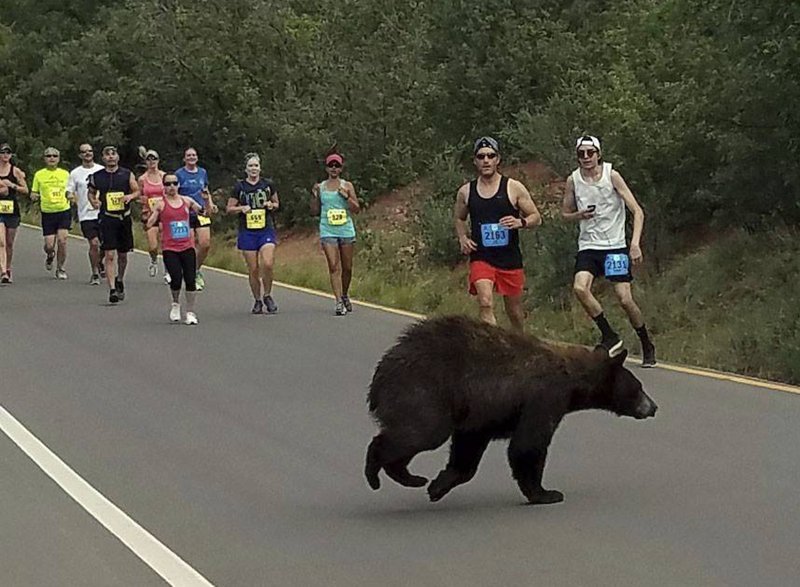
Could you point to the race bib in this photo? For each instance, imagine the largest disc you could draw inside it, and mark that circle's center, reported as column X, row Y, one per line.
column 203, row 220
column 337, row 216
column 6, row 206
column 151, row 202
column 179, row 230
column 256, row 219
column 494, row 235
column 616, row 264
column 115, row 201
column 56, row 195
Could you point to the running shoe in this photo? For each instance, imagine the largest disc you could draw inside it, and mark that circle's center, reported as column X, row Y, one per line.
column 152, row 270
column 101, row 269
column 61, row 274
column 191, row 318
column 272, row 307
column 199, row 281
column 120, row 287
column 648, row 354
column 8, row 274
column 175, row 313
column 258, row 307
column 347, row 305
column 4, row 278
column 94, row 279
column 48, row 262
column 613, row 344
column 167, row 279
column 113, row 296
column 341, row 309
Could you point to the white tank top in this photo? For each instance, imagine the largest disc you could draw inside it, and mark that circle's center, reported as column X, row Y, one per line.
column 607, row 229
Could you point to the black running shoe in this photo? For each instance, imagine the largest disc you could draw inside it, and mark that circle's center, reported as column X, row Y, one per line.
column 48, row 262
column 258, row 307
column 613, row 344
column 272, row 307
column 347, row 305
column 4, row 278
column 113, row 296
column 648, row 354
column 120, row 287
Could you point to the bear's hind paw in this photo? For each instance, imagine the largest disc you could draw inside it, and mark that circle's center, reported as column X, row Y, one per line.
column 545, row 496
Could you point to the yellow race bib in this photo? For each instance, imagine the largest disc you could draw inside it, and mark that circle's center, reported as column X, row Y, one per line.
column 337, row 216
column 203, row 220
column 256, row 219
column 6, row 206
column 115, row 201
column 151, row 202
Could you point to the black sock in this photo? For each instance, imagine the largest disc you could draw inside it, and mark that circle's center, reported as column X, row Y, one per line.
column 603, row 325
column 642, row 333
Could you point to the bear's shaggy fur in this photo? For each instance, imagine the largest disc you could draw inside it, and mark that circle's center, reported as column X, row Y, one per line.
column 456, row 377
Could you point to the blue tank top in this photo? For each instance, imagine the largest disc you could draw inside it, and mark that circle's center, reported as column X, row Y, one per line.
column 335, row 219
column 192, row 183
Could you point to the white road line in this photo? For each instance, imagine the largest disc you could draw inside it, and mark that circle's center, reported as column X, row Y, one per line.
column 158, row 557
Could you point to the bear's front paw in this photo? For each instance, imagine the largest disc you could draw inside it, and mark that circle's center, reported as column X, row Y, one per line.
column 545, row 496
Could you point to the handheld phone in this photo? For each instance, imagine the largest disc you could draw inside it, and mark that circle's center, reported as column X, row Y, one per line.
column 591, row 208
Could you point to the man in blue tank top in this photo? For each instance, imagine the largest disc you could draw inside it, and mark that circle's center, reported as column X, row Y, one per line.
column 497, row 207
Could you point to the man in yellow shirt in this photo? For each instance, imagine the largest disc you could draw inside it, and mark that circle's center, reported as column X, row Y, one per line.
column 50, row 186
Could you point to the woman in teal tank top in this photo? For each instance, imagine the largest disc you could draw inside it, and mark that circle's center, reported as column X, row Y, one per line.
column 334, row 201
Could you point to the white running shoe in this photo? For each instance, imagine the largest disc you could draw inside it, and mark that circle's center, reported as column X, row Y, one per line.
column 175, row 313
column 167, row 279
column 191, row 318
column 61, row 274
column 152, row 270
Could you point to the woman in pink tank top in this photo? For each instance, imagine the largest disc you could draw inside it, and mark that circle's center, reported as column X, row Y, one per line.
column 151, row 190
column 177, row 245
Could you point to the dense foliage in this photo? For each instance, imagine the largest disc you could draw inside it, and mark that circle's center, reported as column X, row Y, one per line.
column 696, row 101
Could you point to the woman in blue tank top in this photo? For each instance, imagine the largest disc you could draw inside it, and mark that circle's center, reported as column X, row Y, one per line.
column 334, row 201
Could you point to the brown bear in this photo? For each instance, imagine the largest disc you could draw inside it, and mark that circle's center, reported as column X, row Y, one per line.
column 455, row 377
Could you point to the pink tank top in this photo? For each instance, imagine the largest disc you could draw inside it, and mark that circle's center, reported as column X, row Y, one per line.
column 150, row 192
column 176, row 234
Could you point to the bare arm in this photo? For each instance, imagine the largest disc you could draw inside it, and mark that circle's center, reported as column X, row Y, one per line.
column 315, row 205
column 638, row 215
column 349, row 192
column 460, row 213
column 19, row 184
column 273, row 203
column 522, row 197
column 133, row 185
column 155, row 212
column 233, row 206
column 569, row 207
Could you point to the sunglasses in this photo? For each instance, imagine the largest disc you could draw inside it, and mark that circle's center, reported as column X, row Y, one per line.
column 51, row 155
column 169, row 183
column 151, row 158
column 586, row 154
column 482, row 156
column 5, row 152
column 86, row 152
column 334, row 164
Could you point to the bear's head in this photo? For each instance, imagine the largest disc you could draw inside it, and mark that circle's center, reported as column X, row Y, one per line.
column 624, row 393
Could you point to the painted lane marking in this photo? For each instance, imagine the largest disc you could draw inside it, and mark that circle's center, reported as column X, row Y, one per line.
column 173, row 569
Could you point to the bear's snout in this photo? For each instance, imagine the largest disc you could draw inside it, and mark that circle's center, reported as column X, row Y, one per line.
column 646, row 408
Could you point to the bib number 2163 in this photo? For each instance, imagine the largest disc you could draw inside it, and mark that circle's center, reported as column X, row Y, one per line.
column 494, row 235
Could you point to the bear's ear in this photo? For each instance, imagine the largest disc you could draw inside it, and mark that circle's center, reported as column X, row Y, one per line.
column 619, row 359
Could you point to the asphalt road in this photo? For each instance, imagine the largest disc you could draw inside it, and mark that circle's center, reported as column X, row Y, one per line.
column 239, row 444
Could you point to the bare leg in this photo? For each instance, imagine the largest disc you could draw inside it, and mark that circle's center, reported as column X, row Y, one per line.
column 94, row 255
column 3, row 258
column 111, row 268
column 625, row 297
column 515, row 312
column 122, row 264
column 61, row 255
column 582, row 288
column 485, row 289
column 203, row 246
column 251, row 258
column 266, row 259
column 334, row 269
column 347, row 253
column 11, row 234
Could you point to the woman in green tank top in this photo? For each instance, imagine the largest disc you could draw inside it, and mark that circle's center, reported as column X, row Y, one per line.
column 334, row 201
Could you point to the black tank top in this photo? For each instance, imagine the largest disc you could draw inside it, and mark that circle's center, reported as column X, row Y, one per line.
column 12, row 193
column 110, row 188
column 497, row 246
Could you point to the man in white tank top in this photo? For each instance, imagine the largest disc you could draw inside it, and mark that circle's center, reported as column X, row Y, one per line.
column 596, row 197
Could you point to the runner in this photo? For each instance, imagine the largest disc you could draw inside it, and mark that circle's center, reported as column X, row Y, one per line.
column 112, row 190
column 50, row 185
column 256, row 200
column 177, row 245
column 194, row 183
column 596, row 196
column 334, row 201
column 78, row 189
column 12, row 185
column 498, row 207
column 151, row 190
